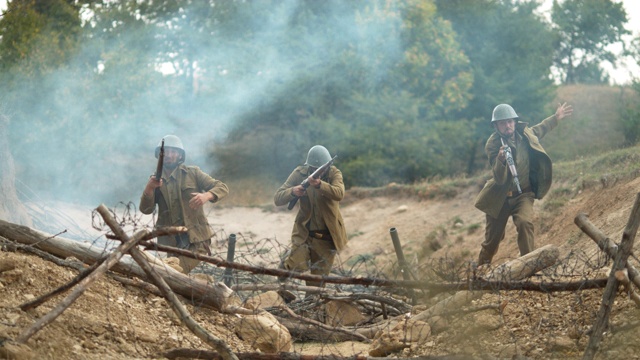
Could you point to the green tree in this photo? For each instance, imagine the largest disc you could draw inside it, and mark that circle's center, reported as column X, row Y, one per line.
column 369, row 80
column 585, row 29
column 630, row 110
column 509, row 48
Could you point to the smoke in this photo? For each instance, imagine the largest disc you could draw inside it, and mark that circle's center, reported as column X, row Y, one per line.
column 87, row 133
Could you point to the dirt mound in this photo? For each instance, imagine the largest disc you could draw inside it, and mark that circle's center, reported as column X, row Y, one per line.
column 114, row 321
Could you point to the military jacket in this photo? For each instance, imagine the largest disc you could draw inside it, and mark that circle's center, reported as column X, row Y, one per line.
column 189, row 179
column 494, row 193
column 330, row 193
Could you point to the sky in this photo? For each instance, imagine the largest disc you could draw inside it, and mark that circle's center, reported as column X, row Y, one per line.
column 627, row 68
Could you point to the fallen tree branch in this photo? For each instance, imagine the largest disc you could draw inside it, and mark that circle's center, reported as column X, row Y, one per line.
column 83, row 285
column 519, row 268
column 223, row 349
column 193, row 289
column 203, row 354
column 324, row 326
column 160, row 231
column 605, row 244
column 619, row 263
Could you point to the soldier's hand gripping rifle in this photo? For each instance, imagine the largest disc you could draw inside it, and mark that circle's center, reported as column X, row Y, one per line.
column 160, row 162
column 512, row 165
column 316, row 175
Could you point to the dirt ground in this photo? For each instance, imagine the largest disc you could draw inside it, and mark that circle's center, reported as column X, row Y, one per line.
column 114, row 321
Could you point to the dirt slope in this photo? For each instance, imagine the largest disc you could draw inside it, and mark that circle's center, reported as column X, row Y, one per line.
column 112, row 321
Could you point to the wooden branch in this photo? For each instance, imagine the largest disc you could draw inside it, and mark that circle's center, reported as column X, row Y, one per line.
column 223, row 349
column 324, row 326
column 605, row 244
column 161, row 231
column 140, row 284
column 276, row 287
column 83, row 285
column 193, row 289
column 620, row 262
column 516, row 269
column 203, row 354
column 326, row 293
column 623, row 277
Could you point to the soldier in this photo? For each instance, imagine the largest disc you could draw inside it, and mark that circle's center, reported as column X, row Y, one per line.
column 501, row 196
column 318, row 231
column 180, row 195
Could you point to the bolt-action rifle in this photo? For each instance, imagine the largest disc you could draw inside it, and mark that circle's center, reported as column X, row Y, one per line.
column 512, row 165
column 316, row 175
column 160, row 162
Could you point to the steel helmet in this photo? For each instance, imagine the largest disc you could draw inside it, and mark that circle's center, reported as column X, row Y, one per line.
column 318, row 156
column 173, row 142
column 503, row 112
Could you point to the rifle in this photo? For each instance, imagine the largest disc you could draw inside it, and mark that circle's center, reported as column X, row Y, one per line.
column 512, row 165
column 316, row 174
column 160, row 162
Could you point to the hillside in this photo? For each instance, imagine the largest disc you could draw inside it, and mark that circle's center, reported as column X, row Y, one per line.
column 440, row 231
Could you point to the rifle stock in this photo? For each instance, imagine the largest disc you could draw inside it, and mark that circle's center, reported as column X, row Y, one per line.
column 160, row 162
column 316, row 174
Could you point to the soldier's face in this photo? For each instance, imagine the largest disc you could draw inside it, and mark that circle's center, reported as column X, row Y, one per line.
column 506, row 128
column 172, row 158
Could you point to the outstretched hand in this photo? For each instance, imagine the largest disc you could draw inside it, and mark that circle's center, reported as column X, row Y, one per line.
column 563, row 111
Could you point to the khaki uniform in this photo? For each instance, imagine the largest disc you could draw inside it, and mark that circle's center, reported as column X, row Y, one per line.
column 319, row 215
column 499, row 198
column 173, row 209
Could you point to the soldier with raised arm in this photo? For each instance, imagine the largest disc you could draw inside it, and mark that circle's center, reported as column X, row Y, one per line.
column 514, row 149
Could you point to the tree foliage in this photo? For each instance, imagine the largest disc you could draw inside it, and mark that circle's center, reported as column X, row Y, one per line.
column 401, row 90
column 509, row 49
column 585, row 29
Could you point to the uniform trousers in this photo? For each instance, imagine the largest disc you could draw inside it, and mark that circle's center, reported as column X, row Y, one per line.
column 315, row 255
column 520, row 208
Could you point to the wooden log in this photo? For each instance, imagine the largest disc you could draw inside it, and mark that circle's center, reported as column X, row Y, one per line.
column 619, row 263
column 83, row 285
column 605, row 244
column 516, row 269
column 223, row 349
column 202, row 354
column 324, row 326
column 197, row 291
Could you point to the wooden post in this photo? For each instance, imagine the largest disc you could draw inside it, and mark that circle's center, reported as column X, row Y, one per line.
column 620, row 262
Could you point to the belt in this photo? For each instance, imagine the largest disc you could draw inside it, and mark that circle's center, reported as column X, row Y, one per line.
column 321, row 234
column 515, row 193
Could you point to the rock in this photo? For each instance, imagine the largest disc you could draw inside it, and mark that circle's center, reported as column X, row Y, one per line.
column 174, row 263
column 341, row 313
column 7, row 264
column 402, row 336
column 15, row 351
column 264, row 333
column 562, row 343
column 264, row 300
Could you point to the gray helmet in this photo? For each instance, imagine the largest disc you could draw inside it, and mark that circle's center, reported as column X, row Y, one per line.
column 503, row 112
column 318, row 156
column 173, row 142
